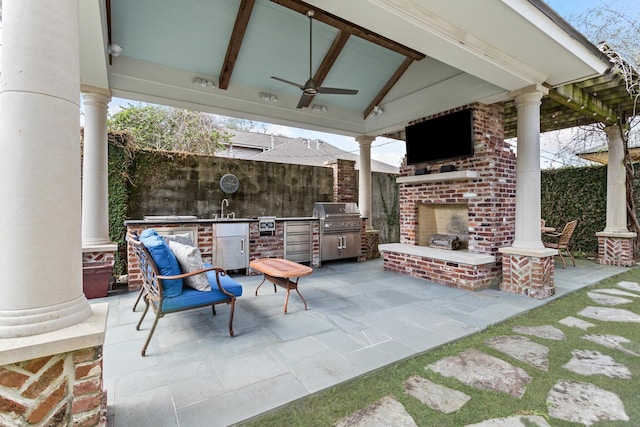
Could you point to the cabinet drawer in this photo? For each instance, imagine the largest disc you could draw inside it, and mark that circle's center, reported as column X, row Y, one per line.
column 304, row 227
column 298, row 238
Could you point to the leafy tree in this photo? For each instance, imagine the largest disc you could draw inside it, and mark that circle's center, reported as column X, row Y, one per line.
column 245, row 125
column 171, row 129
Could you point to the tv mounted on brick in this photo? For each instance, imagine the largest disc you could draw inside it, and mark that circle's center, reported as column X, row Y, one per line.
column 441, row 138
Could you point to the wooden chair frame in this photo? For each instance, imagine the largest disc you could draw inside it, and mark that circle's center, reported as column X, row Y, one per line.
column 562, row 241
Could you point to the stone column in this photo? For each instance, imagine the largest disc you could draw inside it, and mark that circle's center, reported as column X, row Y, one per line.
column 95, row 198
column 616, row 183
column 40, row 169
column 364, row 178
column 527, row 266
column 528, row 212
column 615, row 243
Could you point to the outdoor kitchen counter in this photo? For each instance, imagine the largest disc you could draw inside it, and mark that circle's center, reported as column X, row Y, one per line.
column 187, row 221
column 235, row 235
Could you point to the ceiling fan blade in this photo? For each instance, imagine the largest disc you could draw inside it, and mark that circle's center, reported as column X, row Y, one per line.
column 289, row 82
column 336, row 91
column 304, row 100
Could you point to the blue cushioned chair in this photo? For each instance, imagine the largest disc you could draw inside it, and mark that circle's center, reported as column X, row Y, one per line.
column 224, row 289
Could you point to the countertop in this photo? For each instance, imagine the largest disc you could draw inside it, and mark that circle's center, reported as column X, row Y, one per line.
column 192, row 220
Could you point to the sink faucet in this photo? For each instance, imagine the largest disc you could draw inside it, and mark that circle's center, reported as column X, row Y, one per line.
column 222, row 203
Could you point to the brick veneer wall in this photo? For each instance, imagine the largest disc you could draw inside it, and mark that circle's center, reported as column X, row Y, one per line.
column 470, row 277
column 370, row 240
column 98, row 257
column 63, row 389
column 490, row 199
column 344, row 181
column 527, row 275
column 615, row 251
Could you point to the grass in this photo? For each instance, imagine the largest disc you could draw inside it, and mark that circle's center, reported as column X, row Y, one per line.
column 328, row 406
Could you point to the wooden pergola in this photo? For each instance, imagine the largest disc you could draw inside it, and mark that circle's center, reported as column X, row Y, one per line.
column 609, row 99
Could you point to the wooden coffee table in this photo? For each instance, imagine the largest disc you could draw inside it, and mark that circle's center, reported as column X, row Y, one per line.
column 280, row 272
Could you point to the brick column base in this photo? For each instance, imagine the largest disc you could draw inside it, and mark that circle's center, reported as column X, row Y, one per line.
column 616, row 249
column 63, row 389
column 370, row 239
column 528, row 275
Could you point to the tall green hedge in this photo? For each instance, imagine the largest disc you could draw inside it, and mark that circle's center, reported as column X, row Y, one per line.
column 120, row 159
column 576, row 193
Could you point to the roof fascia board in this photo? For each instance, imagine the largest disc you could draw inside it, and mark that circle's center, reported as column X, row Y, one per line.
column 548, row 21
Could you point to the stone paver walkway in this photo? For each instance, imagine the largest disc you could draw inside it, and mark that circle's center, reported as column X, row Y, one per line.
column 579, row 402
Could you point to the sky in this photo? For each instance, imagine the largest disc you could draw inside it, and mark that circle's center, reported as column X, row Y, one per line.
column 392, row 151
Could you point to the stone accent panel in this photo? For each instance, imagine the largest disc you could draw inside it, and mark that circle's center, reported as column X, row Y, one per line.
column 616, row 251
column 62, row 389
column 526, row 275
column 470, row 277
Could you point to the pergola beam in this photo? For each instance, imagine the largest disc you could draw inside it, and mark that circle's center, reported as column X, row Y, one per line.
column 578, row 100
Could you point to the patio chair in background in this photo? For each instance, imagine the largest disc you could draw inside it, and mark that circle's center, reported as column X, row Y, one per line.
column 562, row 240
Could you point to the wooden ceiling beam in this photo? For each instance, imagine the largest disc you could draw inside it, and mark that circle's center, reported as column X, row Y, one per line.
column 235, row 43
column 343, row 25
column 387, row 87
column 329, row 59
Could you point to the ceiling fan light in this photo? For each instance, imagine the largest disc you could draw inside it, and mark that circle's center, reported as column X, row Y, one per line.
column 319, row 108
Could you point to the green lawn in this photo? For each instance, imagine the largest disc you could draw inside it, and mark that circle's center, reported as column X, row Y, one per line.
column 326, row 407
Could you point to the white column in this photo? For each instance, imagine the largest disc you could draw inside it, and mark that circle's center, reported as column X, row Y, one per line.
column 364, row 178
column 616, row 183
column 41, row 258
column 95, row 197
column 527, row 233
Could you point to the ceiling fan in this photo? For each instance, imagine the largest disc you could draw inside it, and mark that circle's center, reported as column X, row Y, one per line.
column 310, row 88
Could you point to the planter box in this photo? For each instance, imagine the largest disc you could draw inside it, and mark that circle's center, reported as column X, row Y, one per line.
column 96, row 278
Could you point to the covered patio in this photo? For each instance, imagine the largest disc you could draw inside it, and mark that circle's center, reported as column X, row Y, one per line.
column 360, row 318
column 409, row 60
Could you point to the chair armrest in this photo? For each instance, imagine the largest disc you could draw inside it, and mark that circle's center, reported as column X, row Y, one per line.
column 191, row 273
column 550, row 234
column 223, row 272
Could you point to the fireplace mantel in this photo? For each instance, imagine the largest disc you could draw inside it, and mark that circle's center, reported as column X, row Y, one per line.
column 438, row 177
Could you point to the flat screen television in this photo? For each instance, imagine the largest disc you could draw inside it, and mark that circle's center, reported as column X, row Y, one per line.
column 441, row 138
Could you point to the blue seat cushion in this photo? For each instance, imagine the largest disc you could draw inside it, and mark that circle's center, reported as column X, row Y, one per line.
column 194, row 298
column 166, row 263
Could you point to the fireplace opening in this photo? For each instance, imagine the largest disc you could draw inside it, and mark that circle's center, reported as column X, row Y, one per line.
column 443, row 225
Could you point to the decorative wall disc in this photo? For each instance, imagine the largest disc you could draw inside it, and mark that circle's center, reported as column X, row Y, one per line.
column 229, row 183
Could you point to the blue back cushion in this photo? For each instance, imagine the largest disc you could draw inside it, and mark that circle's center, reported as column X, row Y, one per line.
column 165, row 260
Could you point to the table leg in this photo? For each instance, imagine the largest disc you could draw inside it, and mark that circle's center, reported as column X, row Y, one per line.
column 263, row 279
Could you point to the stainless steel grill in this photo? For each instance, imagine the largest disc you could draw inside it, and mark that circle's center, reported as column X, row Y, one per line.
column 340, row 230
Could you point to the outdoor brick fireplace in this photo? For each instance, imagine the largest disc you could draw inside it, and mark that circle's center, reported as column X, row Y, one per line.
column 475, row 202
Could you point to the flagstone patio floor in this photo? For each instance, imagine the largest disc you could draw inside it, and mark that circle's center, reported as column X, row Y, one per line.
column 360, row 318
